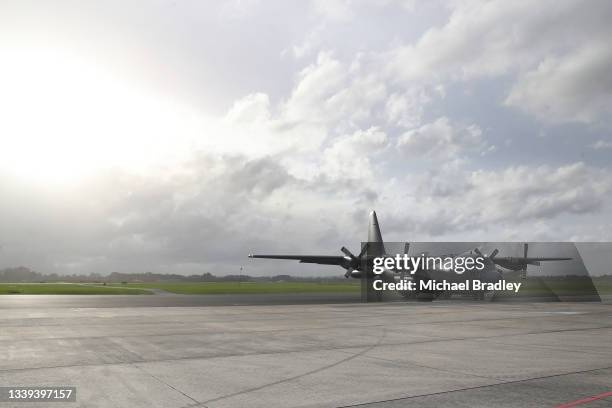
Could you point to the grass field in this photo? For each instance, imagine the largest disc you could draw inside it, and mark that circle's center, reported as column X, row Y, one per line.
column 196, row 288
column 203, row 288
column 66, row 289
column 187, row 288
column 530, row 287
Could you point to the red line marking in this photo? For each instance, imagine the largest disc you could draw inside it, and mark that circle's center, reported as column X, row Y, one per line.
column 585, row 400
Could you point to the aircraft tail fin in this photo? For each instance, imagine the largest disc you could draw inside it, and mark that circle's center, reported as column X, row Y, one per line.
column 376, row 246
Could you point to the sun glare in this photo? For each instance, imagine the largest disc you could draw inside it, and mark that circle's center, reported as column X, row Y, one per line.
column 63, row 119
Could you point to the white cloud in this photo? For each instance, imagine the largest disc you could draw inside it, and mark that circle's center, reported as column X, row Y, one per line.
column 251, row 108
column 345, row 10
column 518, row 202
column 317, row 83
column 601, row 144
column 406, row 109
column 309, row 44
column 527, row 193
column 575, row 87
column 251, row 128
column 348, row 158
column 334, row 93
column 339, row 10
column 559, row 50
column 204, row 215
column 442, row 140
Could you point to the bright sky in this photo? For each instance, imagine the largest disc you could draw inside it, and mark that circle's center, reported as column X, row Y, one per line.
column 180, row 136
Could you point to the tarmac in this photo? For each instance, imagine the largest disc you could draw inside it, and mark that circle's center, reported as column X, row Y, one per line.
column 166, row 299
column 445, row 353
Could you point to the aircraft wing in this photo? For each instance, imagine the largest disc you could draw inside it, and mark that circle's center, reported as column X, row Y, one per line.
column 315, row 259
column 515, row 263
column 546, row 259
column 528, row 260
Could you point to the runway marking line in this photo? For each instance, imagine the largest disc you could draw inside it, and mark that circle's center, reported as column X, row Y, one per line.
column 585, row 400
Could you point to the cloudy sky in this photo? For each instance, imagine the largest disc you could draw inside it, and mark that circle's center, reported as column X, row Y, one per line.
column 179, row 136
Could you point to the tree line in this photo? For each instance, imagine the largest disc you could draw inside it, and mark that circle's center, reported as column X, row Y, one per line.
column 22, row 274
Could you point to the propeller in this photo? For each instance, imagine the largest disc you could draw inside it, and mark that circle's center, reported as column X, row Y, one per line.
column 355, row 262
column 518, row 263
column 525, row 249
column 491, row 256
column 348, row 253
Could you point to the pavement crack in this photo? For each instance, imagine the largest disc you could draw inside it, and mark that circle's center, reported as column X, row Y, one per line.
column 196, row 403
column 475, row 387
column 135, row 365
column 295, row 377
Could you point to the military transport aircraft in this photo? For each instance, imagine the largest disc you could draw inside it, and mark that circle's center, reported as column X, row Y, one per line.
column 360, row 266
